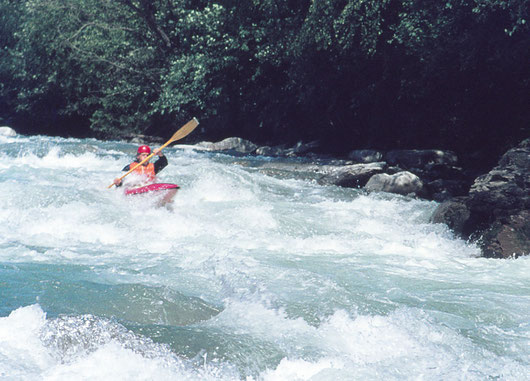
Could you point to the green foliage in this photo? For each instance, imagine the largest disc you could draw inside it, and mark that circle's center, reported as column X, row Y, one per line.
column 9, row 24
column 188, row 82
column 351, row 73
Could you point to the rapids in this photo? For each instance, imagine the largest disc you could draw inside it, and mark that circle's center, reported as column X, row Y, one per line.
column 249, row 276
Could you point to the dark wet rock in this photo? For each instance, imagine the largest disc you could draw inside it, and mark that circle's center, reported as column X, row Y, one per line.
column 441, row 189
column 498, row 207
column 351, row 176
column 247, row 147
column 404, row 183
column 506, row 187
column 300, row 149
column 500, row 202
column 508, row 237
column 453, row 213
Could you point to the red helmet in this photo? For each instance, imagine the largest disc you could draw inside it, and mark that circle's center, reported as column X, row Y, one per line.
column 144, row 149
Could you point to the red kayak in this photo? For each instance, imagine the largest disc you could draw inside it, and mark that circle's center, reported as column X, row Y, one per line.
column 151, row 188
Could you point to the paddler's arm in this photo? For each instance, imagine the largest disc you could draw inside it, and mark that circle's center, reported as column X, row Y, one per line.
column 161, row 163
column 117, row 181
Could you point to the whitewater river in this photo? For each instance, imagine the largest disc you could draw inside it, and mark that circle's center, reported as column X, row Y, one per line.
column 254, row 275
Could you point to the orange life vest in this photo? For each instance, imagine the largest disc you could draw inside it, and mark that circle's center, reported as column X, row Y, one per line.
column 148, row 171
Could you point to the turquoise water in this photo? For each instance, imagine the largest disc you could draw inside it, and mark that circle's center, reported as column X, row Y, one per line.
column 250, row 276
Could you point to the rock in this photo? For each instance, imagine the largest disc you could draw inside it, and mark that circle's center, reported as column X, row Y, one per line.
column 441, row 190
column 142, row 139
column 230, row 144
column 497, row 193
column 301, row 148
column 245, row 146
column 498, row 207
column 365, row 156
column 270, row 151
column 308, row 171
column 499, row 202
column 420, row 158
column 351, row 176
column 405, row 183
column 435, row 168
column 506, row 188
column 453, row 213
column 7, row 131
column 509, row 238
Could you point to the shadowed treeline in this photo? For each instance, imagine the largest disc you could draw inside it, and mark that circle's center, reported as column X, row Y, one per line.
column 350, row 73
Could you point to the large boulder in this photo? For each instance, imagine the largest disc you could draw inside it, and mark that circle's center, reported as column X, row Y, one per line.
column 351, row 176
column 507, row 237
column 230, row 144
column 404, row 183
column 499, row 202
column 496, row 211
column 454, row 213
column 7, row 131
column 143, row 139
column 506, row 188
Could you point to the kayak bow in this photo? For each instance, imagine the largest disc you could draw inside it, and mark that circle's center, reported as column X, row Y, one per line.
column 151, row 188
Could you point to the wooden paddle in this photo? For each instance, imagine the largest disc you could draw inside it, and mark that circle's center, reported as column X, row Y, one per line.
column 182, row 132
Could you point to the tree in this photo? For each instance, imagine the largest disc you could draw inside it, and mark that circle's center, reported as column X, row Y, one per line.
column 350, row 73
column 10, row 15
column 468, row 84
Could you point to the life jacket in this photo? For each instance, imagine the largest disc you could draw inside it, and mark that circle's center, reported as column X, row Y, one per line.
column 147, row 171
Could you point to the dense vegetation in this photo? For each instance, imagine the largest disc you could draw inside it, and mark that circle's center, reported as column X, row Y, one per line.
column 350, row 73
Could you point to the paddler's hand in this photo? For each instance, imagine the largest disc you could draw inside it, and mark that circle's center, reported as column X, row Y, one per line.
column 158, row 152
column 117, row 182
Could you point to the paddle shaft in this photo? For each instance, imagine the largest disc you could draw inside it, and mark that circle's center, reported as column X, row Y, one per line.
column 181, row 133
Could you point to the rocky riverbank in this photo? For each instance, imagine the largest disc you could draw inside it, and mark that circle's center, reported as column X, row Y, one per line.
column 431, row 174
column 492, row 209
column 496, row 210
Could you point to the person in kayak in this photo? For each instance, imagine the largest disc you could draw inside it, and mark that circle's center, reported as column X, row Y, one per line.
column 147, row 171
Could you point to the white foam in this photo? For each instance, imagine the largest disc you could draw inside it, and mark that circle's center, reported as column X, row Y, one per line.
column 21, row 353
column 406, row 343
column 32, row 347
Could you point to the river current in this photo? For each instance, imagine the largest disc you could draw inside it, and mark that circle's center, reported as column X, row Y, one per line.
column 253, row 275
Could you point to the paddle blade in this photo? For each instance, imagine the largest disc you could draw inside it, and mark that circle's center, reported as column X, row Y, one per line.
column 185, row 130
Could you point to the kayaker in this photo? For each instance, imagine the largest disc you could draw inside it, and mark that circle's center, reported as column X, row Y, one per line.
column 147, row 171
